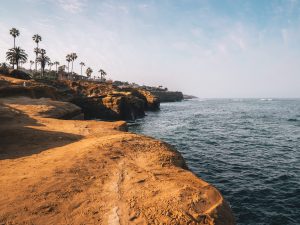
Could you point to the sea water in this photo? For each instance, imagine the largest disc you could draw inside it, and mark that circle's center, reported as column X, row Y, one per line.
column 247, row 148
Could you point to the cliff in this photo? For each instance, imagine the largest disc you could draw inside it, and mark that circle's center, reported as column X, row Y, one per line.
column 97, row 100
column 168, row 96
column 57, row 171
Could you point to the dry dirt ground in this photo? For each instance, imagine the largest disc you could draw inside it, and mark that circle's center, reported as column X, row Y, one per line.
column 56, row 171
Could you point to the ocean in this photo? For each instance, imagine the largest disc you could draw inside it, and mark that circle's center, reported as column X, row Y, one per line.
column 247, row 148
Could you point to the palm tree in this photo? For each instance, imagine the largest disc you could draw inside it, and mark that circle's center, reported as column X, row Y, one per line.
column 15, row 33
column 36, row 38
column 31, row 63
column 37, row 51
column 81, row 64
column 43, row 60
column 56, row 63
column 42, row 51
column 22, row 61
column 68, row 59
column 15, row 55
column 62, row 68
column 73, row 58
column 50, row 64
column 102, row 74
column 89, row 72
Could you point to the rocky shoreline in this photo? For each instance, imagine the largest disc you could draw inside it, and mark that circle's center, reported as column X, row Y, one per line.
column 58, row 169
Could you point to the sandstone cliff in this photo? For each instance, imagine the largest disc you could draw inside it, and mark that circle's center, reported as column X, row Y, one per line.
column 89, row 172
column 97, row 100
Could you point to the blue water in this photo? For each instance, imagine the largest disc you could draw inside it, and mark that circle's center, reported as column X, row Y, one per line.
column 248, row 149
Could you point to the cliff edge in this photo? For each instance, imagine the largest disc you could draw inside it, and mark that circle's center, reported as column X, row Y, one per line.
column 57, row 171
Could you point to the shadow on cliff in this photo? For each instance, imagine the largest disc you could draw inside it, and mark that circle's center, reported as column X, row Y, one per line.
column 22, row 136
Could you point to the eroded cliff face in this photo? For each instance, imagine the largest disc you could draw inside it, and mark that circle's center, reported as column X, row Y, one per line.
column 153, row 102
column 57, row 171
column 97, row 100
column 109, row 102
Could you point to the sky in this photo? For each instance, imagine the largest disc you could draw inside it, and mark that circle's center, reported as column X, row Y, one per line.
column 208, row 48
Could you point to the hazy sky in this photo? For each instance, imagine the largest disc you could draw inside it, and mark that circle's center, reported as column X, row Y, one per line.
column 209, row 48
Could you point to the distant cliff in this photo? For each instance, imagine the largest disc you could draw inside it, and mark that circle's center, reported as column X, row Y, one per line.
column 168, row 96
column 188, row 97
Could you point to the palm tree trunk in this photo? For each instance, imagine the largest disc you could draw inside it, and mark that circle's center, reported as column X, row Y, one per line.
column 68, row 70
column 36, row 55
column 72, row 68
column 81, row 71
column 14, row 48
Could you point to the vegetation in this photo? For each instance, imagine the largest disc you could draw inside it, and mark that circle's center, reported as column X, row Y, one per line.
column 68, row 59
column 89, row 72
column 43, row 60
column 50, row 64
column 15, row 33
column 102, row 74
column 73, row 58
column 56, row 63
column 81, row 65
column 17, row 56
column 31, row 63
column 62, row 68
column 36, row 38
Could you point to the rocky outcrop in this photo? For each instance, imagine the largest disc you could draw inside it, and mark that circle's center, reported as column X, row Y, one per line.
column 97, row 100
column 168, row 96
column 125, row 105
column 93, row 108
column 112, row 102
column 153, row 102
column 44, row 107
column 115, row 106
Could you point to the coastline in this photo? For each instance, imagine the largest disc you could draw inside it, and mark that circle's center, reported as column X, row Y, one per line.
column 74, row 171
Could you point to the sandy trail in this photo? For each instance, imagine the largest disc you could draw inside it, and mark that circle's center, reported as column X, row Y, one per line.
column 87, row 172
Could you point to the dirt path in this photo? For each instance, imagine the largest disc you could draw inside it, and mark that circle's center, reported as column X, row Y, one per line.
column 88, row 172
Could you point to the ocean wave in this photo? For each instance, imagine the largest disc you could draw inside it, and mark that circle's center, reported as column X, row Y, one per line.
column 266, row 99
